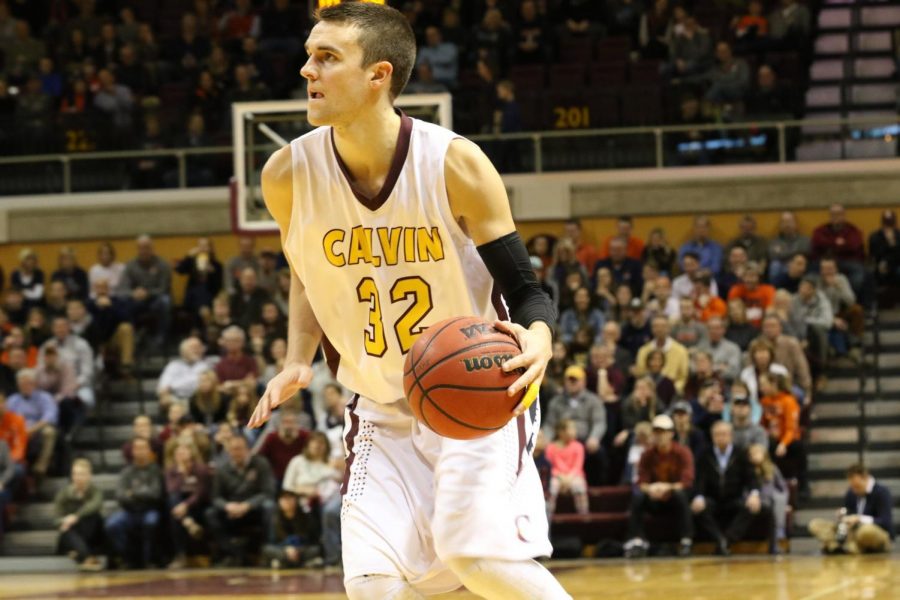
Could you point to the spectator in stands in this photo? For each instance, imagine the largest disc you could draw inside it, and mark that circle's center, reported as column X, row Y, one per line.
column 789, row 353
column 781, row 418
column 640, row 440
column 683, row 285
column 76, row 509
column 147, row 280
column 676, row 355
column 750, row 29
column 15, row 339
column 686, row 434
column 849, row 317
column 641, row 405
column 140, row 495
column 655, row 367
column 634, row 246
column 729, row 79
column 687, row 330
column 636, row 329
column 575, row 402
column 739, row 331
column 55, row 300
column 76, row 351
column 29, row 278
column 243, row 489
column 585, row 253
column 707, row 304
column 604, row 296
column 14, row 433
column 709, row 251
column 659, row 253
column 235, row 366
column 281, row 26
column 238, row 23
column 726, row 355
column 16, row 361
column 280, row 446
column 187, row 493
column 566, row 457
column 175, row 422
column 757, row 297
column 107, row 49
column 442, row 56
column 127, row 30
column 247, row 301
column 665, row 477
column 115, row 101
column 73, row 276
column 189, row 48
column 815, row 309
column 884, row 248
column 178, row 381
column 611, row 337
column 624, row 269
column 865, row 523
column 204, row 273
column 762, row 361
column 755, row 245
column 732, row 274
column 785, row 246
column 107, row 268
column 208, row 405
column 245, row 88
column 579, row 18
column 199, row 170
column 581, row 315
column 41, row 419
column 702, row 371
column 770, row 99
column 7, row 479
column 57, row 377
column 841, row 240
column 690, row 52
column 209, row 100
column 531, row 36
column 237, row 264
column 790, row 278
column 295, row 535
column 726, row 492
column 241, row 406
column 142, row 427
column 424, row 82
column 104, row 324
column 789, row 25
column 746, row 433
column 33, row 111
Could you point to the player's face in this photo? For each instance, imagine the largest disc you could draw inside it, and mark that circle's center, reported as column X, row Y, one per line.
column 336, row 80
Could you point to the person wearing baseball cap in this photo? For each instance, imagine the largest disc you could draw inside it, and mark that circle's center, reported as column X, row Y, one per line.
column 577, row 403
column 685, row 433
column 665, row 477
column 884, row 247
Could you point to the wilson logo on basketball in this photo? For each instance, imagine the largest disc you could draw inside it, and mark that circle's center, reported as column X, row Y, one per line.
column 477, row 330
column 478, row 363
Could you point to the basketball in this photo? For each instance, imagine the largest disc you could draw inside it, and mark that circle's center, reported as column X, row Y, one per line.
column 454, row 380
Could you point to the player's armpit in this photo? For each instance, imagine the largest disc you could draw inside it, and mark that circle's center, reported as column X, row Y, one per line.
column 277, row 188
column 477, row 193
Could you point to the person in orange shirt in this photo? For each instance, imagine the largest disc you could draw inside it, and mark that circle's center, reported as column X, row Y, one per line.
column 757, row 296
column 16, row 339
column 14, row 433
column 634, row 246
column 586, row 253
column 708, row 304
column 781, row 418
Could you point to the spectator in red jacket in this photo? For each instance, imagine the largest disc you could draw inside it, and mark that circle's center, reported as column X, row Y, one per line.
column 757, row 297
column 665, row 477
column 844, row 242
column 283, row 444
column 15, row 434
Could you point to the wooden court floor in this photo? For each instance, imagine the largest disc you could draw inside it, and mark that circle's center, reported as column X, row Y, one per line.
column 785, row 578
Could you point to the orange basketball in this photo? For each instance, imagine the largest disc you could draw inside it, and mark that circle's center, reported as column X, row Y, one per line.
column 454, row 381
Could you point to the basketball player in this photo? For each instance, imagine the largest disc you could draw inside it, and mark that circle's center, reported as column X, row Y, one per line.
column 391, row 224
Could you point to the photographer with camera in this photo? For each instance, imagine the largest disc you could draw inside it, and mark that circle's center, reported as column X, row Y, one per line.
column 864, row 524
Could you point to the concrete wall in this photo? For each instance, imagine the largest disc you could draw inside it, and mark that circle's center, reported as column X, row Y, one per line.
column 546, row 197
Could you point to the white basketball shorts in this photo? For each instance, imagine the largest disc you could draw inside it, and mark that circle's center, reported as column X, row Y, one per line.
column 413, row 499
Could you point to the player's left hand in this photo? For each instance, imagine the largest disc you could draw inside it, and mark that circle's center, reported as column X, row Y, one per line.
column 537, row 350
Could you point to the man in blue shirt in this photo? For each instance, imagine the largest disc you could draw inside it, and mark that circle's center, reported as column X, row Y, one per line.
column 442, row 56
column 709, row 252
column 40, row 412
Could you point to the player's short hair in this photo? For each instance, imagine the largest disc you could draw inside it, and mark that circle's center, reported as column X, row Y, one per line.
column 384, row 35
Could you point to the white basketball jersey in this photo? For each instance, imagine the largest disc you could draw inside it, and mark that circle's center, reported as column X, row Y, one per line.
column 379, row 271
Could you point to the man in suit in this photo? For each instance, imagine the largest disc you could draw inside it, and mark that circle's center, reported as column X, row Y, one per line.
column 864, row 524
column 726, row 494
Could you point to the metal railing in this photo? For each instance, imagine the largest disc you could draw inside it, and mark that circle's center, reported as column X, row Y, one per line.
column 886, row 128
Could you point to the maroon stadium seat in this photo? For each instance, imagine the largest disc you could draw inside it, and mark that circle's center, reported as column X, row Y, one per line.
column 566, row 77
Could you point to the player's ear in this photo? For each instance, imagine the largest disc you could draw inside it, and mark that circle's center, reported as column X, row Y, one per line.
column 381, row 74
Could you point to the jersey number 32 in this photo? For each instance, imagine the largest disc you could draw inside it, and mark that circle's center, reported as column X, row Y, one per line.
column 407, row 326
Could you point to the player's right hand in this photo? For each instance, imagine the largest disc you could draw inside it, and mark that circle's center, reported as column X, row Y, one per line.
column 293, row 378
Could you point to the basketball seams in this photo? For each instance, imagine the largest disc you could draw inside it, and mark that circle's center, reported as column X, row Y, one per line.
column 457, row 420
column 414, row 362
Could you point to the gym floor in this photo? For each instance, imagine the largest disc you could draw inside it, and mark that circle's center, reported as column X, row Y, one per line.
column 757, row 578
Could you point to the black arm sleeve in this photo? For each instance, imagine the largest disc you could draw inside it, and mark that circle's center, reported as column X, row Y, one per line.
column 508, row 262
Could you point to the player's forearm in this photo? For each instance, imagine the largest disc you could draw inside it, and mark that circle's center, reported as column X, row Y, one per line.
column 304, row 332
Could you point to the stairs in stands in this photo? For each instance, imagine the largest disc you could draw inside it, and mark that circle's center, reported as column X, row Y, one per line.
column 853, row 74
column 31, row 540
column 834, row 438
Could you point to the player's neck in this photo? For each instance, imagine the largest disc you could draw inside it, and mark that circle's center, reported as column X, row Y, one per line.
column 366, row 145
